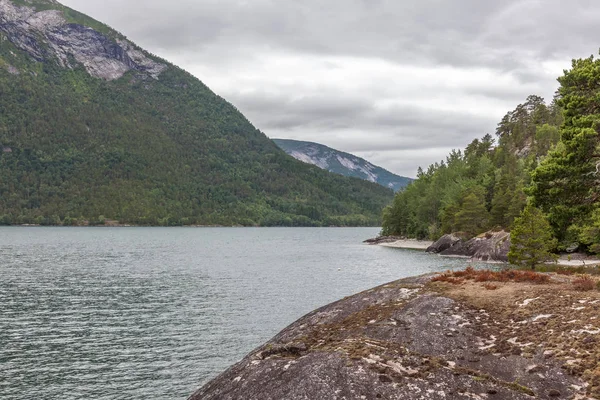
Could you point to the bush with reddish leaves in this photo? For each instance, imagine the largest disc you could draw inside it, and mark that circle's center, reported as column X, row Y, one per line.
column 448, row 279
column 584, row 283
column 468, row 273
column 507, row 275
column 485, row 276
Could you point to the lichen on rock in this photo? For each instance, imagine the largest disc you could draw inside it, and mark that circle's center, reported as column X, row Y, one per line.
column 418, row 339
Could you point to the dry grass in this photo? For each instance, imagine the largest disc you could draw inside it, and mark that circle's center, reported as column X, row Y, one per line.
column 508, row 275
column 448, row 279
column 585, row 283
column 572, row 270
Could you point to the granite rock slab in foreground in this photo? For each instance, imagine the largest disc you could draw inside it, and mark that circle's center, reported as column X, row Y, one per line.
column 416, row 339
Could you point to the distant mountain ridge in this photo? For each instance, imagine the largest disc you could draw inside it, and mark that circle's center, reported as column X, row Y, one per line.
column 341, row 163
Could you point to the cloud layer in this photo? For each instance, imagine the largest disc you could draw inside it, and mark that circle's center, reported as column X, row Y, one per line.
column 398, row 82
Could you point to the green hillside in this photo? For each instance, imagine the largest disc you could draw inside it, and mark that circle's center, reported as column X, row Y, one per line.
column 141, row 150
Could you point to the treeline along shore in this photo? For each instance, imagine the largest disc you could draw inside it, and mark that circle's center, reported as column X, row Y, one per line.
column 538, row 178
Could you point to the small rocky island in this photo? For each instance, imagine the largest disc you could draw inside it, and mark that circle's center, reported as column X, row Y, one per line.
column 460, row 335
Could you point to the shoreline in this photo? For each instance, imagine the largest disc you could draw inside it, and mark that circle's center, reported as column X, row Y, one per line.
column 414, row 244
column 565, row 262
column 410, row 244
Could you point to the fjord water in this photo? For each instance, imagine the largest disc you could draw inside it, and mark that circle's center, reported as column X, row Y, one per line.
column 136, row 313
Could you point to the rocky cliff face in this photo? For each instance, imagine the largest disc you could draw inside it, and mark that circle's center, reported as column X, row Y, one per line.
column 443, row 243
column 417, row 339
column 490, row 246
column 47, row 34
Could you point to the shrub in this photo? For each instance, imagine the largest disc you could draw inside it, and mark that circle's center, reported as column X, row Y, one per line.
column 485, row 276
column 531, row 239
column 490, row 286
column 585, row 283
column 448, row 278
column 507, row 275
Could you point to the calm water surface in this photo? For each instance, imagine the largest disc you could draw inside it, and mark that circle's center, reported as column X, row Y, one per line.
column 137, row 313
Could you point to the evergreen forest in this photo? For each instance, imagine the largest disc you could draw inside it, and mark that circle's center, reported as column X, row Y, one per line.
column 543, row 155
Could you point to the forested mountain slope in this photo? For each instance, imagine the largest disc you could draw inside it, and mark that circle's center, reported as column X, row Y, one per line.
column 93, row 128
column 341, row 163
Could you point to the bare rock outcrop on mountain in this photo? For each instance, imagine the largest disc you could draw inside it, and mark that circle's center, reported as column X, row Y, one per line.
column 47, row 34
column 417, row 339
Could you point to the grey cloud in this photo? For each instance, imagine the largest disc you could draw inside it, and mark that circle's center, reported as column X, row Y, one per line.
column 508, row 93
column 501, row 34
column 355, row 113
column 467, row 32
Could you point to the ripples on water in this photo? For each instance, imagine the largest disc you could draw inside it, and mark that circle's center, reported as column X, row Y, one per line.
column 136, row 313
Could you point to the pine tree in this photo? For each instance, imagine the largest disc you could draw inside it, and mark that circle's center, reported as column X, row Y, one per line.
column 504, row 191
column 531, row 239
column 546, row 136
column 566, row 184
column 473, row 217
column 590, row 234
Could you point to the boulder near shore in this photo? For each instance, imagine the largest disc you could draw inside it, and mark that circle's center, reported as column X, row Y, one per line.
column 463, row 335
column 489, row 246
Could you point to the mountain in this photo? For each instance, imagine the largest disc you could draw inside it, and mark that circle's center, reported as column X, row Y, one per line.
column 94, row 128
column 341, row 163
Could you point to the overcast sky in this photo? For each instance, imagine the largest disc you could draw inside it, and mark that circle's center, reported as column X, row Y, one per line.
column 398, row 82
